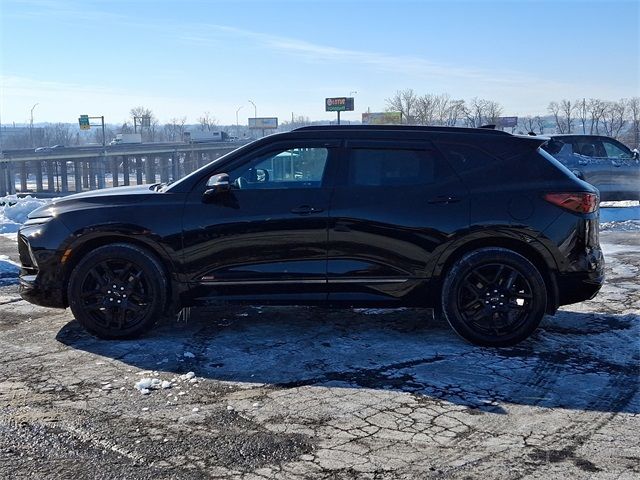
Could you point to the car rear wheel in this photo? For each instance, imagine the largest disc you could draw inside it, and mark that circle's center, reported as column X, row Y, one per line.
column 118, row 291
column 494, row 297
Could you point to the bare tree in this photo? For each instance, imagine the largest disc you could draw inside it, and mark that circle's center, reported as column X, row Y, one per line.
column 425, row 111
column 567, row 109
column 583, row 113
column 454, row 112
column 529, row 124
column 141, row 112
column 596, row 108
column 614, row 118
column 207, row 122
column 540, row 123
column 405, row 102
column 555, row 110
column 633, row 116
column 59, row 134
column 482, row 112
column 174, row 130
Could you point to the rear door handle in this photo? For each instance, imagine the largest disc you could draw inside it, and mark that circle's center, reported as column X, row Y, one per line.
column 443, row 200
column 306, row 210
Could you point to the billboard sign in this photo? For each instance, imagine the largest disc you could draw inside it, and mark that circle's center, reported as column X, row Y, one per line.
column 507, row 121
column 382, row 118
column 338, row 104
column 263, row 123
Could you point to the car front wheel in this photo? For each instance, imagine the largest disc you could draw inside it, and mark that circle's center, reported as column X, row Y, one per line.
column 117, row 291
column 494, row 297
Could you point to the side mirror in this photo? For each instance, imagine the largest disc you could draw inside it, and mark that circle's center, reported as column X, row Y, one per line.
column 635, row 153
column 216, row 185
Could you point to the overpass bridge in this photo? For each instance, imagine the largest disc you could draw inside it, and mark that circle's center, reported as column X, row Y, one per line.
column 61, row 171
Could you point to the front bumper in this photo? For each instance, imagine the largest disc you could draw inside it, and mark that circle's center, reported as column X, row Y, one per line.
column 32, row 291
column 41, row 278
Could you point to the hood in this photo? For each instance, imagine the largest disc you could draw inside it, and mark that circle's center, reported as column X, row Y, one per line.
column 115, row 196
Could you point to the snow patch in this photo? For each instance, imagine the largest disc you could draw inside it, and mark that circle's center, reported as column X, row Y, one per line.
column 14, row 211
column 9, row 271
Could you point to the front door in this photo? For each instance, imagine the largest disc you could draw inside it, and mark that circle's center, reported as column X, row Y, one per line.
column 265, row 240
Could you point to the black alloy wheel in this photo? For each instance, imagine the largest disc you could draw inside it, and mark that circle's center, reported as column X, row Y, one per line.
column 118, row 291
column 494, row 297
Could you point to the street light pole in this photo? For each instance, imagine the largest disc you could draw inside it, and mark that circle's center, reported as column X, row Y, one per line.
column 238, row 122
column 255, row 110
column 31, row 124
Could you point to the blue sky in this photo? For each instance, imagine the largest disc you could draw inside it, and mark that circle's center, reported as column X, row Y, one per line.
column 182, row 58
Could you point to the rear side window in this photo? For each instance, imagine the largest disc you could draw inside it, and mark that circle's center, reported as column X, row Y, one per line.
column 467, row 159
column 391, row 167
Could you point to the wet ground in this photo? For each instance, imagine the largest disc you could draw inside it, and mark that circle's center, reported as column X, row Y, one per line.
column 315, row 393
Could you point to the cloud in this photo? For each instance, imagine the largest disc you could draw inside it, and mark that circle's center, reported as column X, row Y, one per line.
column 417, row 67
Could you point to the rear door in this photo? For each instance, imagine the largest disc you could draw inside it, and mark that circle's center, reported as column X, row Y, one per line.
column 393, row 205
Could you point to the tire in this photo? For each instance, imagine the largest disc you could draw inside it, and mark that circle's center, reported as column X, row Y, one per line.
column 130, row 309
column 494, row 297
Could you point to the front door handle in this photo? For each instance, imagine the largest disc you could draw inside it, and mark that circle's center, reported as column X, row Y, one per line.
column 443, row 200
column 306, row 210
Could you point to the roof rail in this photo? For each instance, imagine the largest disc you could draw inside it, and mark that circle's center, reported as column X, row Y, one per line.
column 416, row 128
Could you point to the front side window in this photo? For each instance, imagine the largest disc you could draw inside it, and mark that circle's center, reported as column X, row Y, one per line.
column 297, row 167
column 390, row 167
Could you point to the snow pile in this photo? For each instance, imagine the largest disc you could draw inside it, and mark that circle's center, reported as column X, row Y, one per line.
column 14, row 211
column 147, row 384
column 8, row 271
column 624, row 226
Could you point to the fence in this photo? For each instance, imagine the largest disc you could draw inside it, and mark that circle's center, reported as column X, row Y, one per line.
column 62, row 176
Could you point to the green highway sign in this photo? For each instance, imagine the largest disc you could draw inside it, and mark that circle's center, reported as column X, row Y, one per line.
column 83, row 120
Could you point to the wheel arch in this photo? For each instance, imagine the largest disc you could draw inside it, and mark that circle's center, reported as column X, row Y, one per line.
column 80, row 248
column 532, row 250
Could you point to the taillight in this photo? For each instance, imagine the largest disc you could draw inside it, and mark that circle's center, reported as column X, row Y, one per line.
column 576, row 202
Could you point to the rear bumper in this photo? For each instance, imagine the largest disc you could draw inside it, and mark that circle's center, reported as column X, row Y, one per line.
column 578, row 287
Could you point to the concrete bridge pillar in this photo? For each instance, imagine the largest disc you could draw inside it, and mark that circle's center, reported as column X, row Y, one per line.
column 4, row 180
column 64, row 179
column 77, row 174
column 101, row 168
column 150, row 169
column 138, row 170
column 125, row 170
column 38, row 168
column 23, row 176
column 115, row 164
column 51, row 186
column 164, row 168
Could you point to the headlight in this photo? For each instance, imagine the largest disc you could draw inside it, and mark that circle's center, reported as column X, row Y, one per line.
column 37, row 221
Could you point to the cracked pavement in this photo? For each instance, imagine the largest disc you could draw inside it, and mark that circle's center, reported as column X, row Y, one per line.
column 317, row 393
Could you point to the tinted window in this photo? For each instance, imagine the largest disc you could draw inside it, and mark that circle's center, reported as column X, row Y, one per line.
column 466, row 158
column 291, row 168
column 589, row 147
column 390, row 167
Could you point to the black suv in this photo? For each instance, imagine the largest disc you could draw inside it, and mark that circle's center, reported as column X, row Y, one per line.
column 481, row 225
